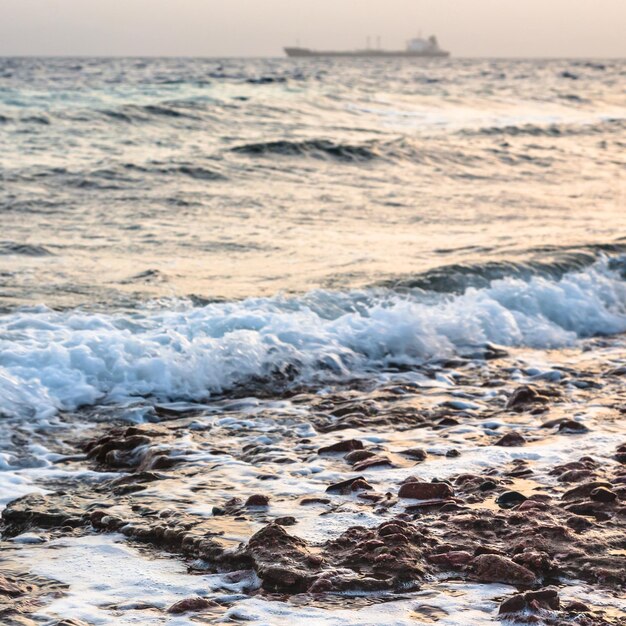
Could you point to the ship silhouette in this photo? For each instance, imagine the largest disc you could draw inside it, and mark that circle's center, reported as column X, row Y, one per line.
column 416, row 47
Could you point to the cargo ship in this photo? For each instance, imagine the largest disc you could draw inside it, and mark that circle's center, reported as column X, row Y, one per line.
column 417, row 47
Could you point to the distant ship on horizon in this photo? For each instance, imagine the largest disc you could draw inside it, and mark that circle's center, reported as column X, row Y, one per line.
column 416, row 47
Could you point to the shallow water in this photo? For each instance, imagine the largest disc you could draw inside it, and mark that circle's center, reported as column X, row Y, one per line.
column 243, row 258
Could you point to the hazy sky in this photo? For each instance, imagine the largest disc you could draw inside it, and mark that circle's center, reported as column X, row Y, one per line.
column 262, row 27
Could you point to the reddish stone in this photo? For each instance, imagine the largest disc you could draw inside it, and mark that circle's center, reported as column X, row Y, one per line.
column 511, row 440
column 493, row 568
column 426, row 491
column 347, row 445
column 191, row 604
column 257, row 500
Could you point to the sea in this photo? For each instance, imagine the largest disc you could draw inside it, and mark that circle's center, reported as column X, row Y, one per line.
column 220, row 236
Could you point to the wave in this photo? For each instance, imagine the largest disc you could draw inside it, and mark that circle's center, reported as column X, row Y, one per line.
column 23, row 249
column 58, row 361
column 552, row 130
column 548, row 262
column 317, row 148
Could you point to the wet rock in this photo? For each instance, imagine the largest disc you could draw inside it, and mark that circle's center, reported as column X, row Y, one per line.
column 257, row 500
column 572, row 427
column 525, row 395
column 314, row 500
column 417, row 454
column 584, row 491
column 579, row 523
column 375, row 461
column 191, row 605
column 575, row 476
column 356, row 456
column 347, row 486
column 531, row 600
column 387, row 557
column 347, row 445
column 602, row 494
column 494, row 568
column 453, row 559
column 510, row 499
column 286, row 520
column 283, row 562
column 425, row 491
column 511, row 440
column 11, row 588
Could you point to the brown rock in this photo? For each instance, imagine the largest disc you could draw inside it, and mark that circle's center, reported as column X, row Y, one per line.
column 525, row 395
column 191, row 604
column 357, row 456
column 375, row 461
column 454, row 558
column 347, row 445
column 417, row 454
column 10, row 588
column 257, row 500
column 572, row 427
column 602, row 494
column 511, row 440
column 352, row 484
column 584, row 491
column 425, row 491
column 494, row 568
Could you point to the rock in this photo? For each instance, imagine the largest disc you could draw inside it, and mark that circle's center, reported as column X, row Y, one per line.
column 286, row 520
column 356, row 456
column 531, row 600
column 417, row 454
column 257, row 500
column 602, row 494
column 493, row 568
column 315, row 500
column 425, row 491
column 452, row 559
column 347, row 486
column 511, row 440
column 578, row 522
column 525, row 395
column 510, row 499
column 11, row 588
column 514, row 604
column 191, row 604
column 575, row 476
column 282, row 562
column 387, row 557
column 584, row 491
column 572, row 427
column 347, row 445
column 375, row 461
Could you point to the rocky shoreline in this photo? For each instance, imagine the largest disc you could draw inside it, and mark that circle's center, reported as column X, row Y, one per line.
column 477, row 472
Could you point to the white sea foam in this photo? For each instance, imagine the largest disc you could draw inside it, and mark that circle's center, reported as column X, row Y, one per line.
column 51, row 361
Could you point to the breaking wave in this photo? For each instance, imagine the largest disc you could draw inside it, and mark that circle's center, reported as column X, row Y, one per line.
column 52, row 361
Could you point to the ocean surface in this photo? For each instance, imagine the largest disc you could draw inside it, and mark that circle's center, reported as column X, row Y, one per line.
column 181, row 232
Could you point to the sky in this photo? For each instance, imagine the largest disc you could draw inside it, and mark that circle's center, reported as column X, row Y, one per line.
column 483, row 28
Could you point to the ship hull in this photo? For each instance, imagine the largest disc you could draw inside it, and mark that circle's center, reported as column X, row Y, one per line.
column 367, row 54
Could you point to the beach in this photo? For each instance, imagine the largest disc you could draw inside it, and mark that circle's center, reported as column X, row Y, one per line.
column 336, row 341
